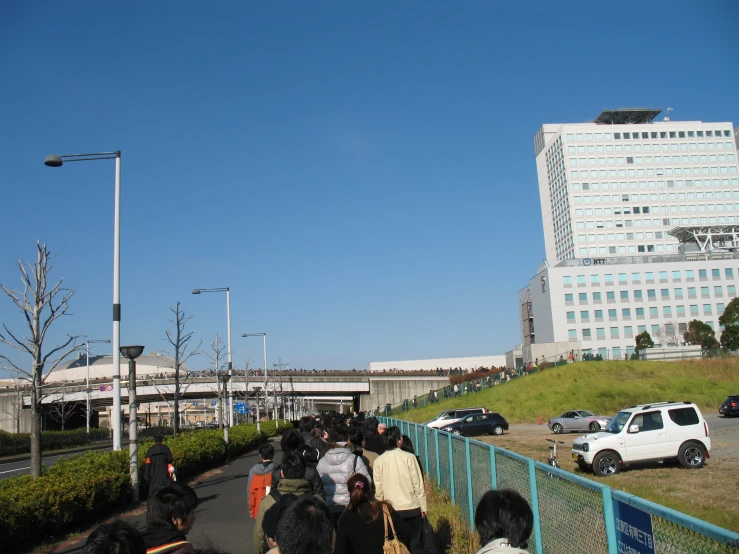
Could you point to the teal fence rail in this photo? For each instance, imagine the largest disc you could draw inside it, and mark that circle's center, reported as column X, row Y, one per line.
column 571, row 513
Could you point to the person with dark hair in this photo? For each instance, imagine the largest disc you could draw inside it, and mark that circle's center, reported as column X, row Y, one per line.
column 272, row 519
column 504, row 521
column 305, row 528
column 170, row 516
column 373, row 440
column 260, row 478
column 306, row 425
column 292, row 473
column 291, row 442
column 398, row 479
column 116, row 537
column 361, row 528
column 158, row 468
column 335, row 469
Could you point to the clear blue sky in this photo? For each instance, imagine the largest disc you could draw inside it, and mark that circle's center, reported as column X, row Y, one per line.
column 360, row 174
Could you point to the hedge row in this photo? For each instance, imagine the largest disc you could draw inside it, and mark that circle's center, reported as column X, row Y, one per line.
column 11, row 443
column 80, row 489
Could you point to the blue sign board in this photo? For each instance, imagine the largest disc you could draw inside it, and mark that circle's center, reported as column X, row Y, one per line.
column 214, row 402
column 195, row 403
column 240, row 408
column 634, row 533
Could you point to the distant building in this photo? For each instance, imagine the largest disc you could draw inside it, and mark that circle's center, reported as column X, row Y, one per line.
column 641, row 232
column 101, row 367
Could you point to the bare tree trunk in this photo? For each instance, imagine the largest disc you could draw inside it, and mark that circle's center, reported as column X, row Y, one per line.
column 179, row 339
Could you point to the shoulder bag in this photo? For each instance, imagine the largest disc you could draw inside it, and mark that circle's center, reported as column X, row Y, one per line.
column 394, row 545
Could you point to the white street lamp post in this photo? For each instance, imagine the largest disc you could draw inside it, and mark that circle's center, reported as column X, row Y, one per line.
column 89, row 401
column 266, row 397
column 55, row 160
column 227, row 290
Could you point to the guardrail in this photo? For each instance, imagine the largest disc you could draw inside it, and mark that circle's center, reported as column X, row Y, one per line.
column 571, row 513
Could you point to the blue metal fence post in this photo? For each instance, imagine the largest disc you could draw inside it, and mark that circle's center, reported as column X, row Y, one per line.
column 416, row 426
column 426, row 449
column 610, row 520
column 470, row 500
column 493, row 471
column 438, row 457
column 451, row 470
column 535, row 506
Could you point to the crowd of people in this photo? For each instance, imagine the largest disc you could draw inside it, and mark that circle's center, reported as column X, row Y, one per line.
column 344, row 485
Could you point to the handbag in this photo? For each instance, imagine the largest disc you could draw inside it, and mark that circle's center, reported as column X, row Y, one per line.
column 394, row 545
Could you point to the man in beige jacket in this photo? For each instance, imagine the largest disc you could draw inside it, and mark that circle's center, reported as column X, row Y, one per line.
column 398, row 479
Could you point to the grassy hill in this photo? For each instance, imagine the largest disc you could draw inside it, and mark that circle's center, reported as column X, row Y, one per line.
column 601, row 387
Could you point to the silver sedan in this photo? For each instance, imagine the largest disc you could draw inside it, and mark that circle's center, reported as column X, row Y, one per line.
column 578, row 420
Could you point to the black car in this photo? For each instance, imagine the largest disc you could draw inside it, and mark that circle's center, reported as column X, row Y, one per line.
column 730, row 407
column 478, row 424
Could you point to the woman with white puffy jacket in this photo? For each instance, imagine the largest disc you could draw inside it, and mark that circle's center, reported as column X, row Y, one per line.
column 336, row 467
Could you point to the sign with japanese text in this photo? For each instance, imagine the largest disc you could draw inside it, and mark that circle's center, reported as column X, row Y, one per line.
column 633, row 529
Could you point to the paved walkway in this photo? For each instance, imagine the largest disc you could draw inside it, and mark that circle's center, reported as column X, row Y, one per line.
column 223, row 520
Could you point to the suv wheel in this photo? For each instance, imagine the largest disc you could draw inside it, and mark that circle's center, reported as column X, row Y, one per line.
column 594, row 427
column 606, row 463
column 692, row 455
column 557, row 428
column 497, row 430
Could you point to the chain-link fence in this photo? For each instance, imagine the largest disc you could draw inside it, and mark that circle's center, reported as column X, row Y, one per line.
column 571, row 513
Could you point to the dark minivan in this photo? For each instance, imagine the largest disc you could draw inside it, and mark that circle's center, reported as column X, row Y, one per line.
column 478, row 424
column 730, row 407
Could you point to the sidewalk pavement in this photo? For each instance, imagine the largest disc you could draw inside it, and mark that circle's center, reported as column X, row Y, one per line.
column 222, row 517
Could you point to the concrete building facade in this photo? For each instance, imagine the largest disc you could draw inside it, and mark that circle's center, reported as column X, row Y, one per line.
column 641, row 231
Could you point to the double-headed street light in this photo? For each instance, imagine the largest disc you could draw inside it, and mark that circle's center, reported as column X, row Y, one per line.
column 266, row 404
column 228, row 345
column 89, row 402
column 55, row 160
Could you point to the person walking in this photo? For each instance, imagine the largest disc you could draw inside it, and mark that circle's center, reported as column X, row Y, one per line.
column 361, row 528
column 260, row 478
column 158, row 468
column 398, row 480
column 335, row 469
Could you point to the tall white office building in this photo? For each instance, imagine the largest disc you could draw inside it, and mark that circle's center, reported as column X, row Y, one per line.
column 641, row 231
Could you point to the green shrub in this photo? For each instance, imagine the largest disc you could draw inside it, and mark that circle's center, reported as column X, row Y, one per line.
column 80, row 489
column 12, row 444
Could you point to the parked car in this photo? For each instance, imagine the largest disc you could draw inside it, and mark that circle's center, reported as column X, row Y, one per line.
column 452, row 416
column 648, row 432
column 578, row 420
column 478, row 424
column 730, row 407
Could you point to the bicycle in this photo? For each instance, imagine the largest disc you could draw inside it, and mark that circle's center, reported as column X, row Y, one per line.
column 553, row 460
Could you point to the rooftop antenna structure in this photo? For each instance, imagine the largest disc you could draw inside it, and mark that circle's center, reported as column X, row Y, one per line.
column 667, row 117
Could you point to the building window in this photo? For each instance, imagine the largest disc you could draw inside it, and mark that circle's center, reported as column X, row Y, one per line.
column 653, row 311
column 595, row 279
column 676, row 275
column 691, row 292
column 600, row 332
column 693, row 310
column 655, row 330
column 707, row 309
column 626, row 312
column 584, row 314
column 689, row 273
column 609, row 279
column 583, row 297
column 598, row 314
column 716, row 273
column 638, row 294
column 729, row 272
column 718, row 291
column 667, row 311
column 567, row 280
column 652, row 294
column 663, row 276
column 702, row 274
column 704, row 292
column 624, row 296
column 586, row 334
column 611, row 296
column 665, row 293
column 622, row 280
column 639, row 312
column 641, row 328
column 731, row 290
column 649, row 276
column 596, row 297
column 635, row 277
column 720, row 308
column 572, row 334
column 614, row 332
column 678, row 292
column 570, row 317
column 681, row 311
column 580, row 280
column 612, row 314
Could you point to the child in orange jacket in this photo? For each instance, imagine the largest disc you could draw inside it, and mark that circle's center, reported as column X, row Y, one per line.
column 260, row 478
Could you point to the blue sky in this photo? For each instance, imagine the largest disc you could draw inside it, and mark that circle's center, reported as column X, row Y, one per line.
column 360, row 174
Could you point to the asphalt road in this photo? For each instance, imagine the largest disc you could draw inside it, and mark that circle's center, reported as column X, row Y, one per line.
column 11, row 469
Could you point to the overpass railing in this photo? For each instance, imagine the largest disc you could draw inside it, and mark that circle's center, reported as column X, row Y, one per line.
column 571, row 513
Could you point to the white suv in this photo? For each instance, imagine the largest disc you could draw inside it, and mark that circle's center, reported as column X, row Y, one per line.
column 658, row 432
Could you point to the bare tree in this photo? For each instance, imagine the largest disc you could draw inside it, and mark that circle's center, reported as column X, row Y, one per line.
column 670, row 335
column 42, row 304
column 60, row 408
column 179, row 338
column 218, row 358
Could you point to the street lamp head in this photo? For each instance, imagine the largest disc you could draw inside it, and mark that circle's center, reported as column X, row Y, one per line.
column 132, row 352
column 52, row 160
column 196, row 291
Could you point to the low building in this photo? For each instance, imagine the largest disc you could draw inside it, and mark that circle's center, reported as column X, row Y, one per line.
column 101, row 368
